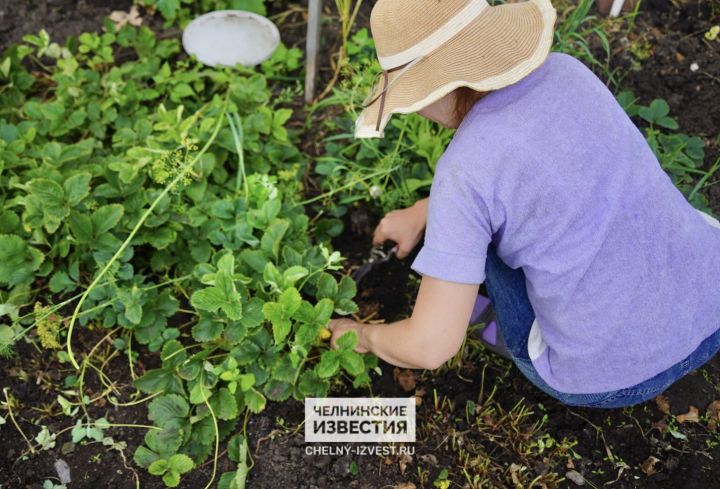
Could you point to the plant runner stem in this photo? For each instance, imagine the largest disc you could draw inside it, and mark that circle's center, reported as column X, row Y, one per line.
column 185, row 169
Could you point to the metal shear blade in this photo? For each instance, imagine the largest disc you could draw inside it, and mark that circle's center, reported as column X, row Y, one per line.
column 377, row 256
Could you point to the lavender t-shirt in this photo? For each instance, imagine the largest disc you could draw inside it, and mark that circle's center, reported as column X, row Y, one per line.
column 622, row 272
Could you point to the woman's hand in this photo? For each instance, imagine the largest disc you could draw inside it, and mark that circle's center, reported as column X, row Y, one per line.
column 429, row 338
column 405, row 227
column 339, row 327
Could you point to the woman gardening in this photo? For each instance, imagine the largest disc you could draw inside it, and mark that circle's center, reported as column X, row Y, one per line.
column 602, row 277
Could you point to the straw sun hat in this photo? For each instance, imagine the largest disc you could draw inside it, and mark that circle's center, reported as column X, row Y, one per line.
column 428, row 48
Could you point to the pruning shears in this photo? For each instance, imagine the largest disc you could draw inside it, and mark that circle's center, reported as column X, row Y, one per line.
column 378, row 255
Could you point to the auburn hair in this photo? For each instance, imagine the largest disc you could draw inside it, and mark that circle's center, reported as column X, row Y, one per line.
column 465, row 98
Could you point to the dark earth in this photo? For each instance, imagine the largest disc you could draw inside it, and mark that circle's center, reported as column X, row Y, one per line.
column 494, row 441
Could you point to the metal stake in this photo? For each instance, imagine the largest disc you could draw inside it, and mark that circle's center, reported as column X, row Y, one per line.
column 312, row 48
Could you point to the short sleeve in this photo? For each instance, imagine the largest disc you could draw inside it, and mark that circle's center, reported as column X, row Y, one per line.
column 458, row 229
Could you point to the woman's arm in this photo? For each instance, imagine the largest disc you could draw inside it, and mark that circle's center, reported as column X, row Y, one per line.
column 429, row 338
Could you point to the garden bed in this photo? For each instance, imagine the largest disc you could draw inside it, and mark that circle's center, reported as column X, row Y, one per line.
column 479, row 421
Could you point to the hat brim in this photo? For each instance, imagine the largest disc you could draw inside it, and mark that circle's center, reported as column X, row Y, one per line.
column 503, row 45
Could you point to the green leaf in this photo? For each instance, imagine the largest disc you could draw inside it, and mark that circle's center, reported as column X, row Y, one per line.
column 200, row 393
column 223, row 295
column 180, row 463
column 271, row 275
column 131, row 299
column 311, row 385
column 224, row 404
column 277, row 390
column 352, row 362
column 207, row 329
column 168, row 8
column 256, row 259
column 328, row 365
column 246, row 353
column 60, row 282
column 246, row 382
column 81, row 227
column 209, row 299
column 280, row 321
column 252, row 313
column 168, row 439
column 163, row 409
column 271, row 240
column 293, row 274
column 307, row 333
column 254, row 401
column 667, row 122
column 344, row 307
column 161, row 238
column 171, row 479
column 237, row 448
column 213, row 298
column 285, row 368
column 290, row 301
column 323, row 311
column 144, row 457
column 226, row 264
column 106, row 217
column 51, row 194
column 156, row 380
column 659, row 108
column 181, row 90
column 347, row 341
column 327, row 287
column 158, row 467
column 305, row 313
column 77, row 188
column 257, row 6
column 173, row 354
column 347, row 289
column 18, row 261
column 6, row 335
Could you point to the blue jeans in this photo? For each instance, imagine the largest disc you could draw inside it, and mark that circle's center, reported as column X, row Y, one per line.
column 514, row 317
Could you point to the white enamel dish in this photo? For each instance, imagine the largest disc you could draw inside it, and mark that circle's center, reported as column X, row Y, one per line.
column 231, row 37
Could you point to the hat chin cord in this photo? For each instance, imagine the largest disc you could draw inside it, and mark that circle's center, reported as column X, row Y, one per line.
column 387, row 86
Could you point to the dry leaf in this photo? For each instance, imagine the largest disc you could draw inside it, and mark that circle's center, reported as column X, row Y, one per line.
column 405, row 378
column 661, row 426
column 429, row 459
column 648, row 466
column 692, row 416
column 403, row 461
column 514, row 469
column 679, row 56
column 713, row 410
column 121, row 18
column 405, row 485
column 663, row 404
column 713, row 414
column 419, row 393
column 575, row 477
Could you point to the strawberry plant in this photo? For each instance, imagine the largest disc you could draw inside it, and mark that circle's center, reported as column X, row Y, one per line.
column 680, row 155
column 161, row 201
column 182, row 10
